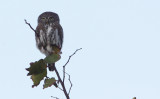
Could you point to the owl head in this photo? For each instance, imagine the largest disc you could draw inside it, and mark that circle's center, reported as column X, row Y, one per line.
column 48, row 18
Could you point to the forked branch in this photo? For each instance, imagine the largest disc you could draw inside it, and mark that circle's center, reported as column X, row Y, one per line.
column 64, row 72
column 68, row 62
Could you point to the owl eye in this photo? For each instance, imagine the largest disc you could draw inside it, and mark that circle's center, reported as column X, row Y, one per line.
column 43, row 18
column 51, row 18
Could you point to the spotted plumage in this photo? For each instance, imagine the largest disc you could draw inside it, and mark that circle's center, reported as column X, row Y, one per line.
column 49, row 34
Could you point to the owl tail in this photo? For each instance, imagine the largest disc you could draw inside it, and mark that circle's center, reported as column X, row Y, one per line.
column 51, row 67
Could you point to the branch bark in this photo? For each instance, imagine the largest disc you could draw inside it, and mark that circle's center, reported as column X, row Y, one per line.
column 62, row 84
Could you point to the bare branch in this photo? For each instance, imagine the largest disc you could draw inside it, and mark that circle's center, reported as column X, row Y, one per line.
column 69, row 78
column 60, row 80
column 60, row 88
column 54, row 97
column 62, row 84
column 29, row 25
column 64, row 73
column 68, row 62
column 71, row 56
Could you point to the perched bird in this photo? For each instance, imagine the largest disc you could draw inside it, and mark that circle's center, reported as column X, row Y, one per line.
column 49, row 35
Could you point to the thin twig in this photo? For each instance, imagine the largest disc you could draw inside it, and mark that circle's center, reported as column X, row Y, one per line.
column 60, row 80
column 54, row 97
column 69, row 78
column 29, row 25
column 60, row 88
column 64, row 73
column 68, row 62
column 62, row 84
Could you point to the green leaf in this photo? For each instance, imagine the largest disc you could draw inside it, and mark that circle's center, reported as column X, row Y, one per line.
column 38, row 77
column 52, row 58
column 36, row 67
column 49, row 82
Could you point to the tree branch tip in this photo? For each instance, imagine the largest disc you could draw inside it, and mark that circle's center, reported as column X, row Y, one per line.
column 29, row 25
column 54, row 97
column 26, row 21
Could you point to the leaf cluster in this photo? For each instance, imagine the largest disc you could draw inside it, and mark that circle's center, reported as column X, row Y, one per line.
column 38, row 71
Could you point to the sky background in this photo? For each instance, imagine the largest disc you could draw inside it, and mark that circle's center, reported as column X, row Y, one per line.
column 120, row 58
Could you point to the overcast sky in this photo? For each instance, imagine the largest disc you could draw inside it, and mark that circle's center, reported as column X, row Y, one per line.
column 120, row 58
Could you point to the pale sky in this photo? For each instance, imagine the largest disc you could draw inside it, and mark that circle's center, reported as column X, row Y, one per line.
column 120, row 58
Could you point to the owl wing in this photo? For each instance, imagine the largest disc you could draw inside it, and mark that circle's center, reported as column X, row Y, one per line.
column 57, row 35
column 38, row 28
column 40, row 36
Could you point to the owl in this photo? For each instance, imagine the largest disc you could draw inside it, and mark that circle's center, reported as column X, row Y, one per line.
column 49, row 35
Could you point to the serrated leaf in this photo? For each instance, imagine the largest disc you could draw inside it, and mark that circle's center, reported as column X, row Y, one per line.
column 49, row 82
column 38, row 77
column 36, row 67
column 52, row 58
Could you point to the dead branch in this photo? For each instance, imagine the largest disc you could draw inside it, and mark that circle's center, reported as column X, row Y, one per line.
column 60, row 80
column 68, row 62
column 54, row 97
column 60, row 88
column 62, row 84
column 69, row 78
column 29, row 25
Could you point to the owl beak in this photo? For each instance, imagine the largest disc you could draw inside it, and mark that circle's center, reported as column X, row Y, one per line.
column 47, row 21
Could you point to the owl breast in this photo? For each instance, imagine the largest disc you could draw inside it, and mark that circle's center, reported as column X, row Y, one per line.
column 49, row 37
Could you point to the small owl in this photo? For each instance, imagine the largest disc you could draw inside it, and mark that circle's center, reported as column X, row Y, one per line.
column 49, row 35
